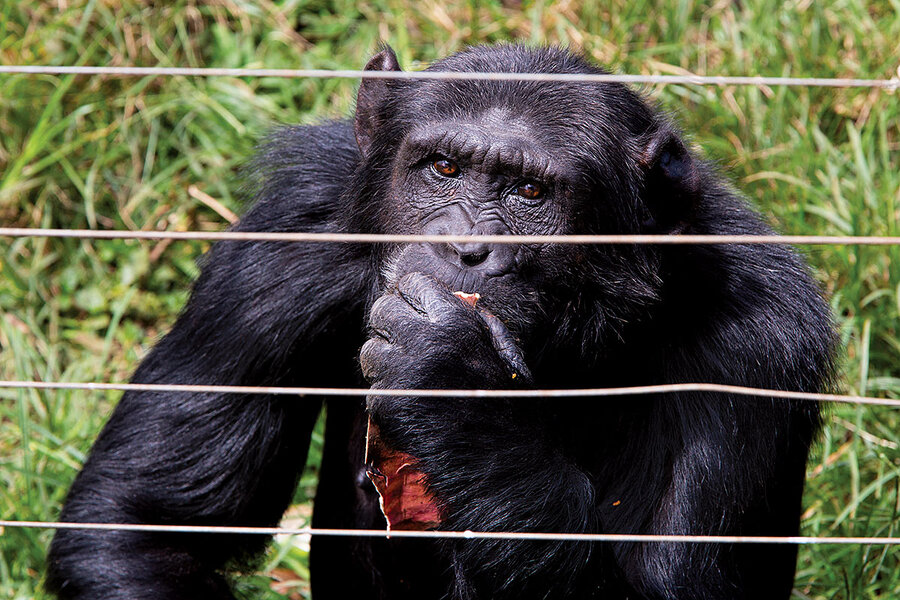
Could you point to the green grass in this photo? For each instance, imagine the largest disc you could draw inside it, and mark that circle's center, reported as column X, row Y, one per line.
column 142, row 153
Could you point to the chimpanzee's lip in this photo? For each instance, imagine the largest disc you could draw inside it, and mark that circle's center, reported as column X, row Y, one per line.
column 458, row 280
column 405, row 501
column 470, row 281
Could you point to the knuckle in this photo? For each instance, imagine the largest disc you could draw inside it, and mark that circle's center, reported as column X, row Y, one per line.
column 415, row 281
column 428, row 297
column 383, row 310
column 441, row 313
column 370, row 357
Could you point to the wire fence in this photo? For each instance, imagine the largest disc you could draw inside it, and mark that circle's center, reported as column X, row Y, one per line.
column 461, row 535
column 672, row 388
column 384, row 238
column 891, row 84
column 888, row 85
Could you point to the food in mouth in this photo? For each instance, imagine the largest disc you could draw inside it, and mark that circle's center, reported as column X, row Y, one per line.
column 469, row 299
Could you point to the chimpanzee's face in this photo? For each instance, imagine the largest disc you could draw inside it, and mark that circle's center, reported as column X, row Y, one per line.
column 485, row 175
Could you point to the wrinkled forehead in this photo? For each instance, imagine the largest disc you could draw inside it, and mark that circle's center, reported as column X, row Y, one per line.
column 561, row 119
column 498, row 138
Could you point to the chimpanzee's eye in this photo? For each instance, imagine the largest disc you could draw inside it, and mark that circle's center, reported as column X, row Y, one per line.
column 445, row 167
column 530, row 190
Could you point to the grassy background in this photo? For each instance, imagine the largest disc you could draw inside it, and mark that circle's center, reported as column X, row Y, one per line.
column 149, row 153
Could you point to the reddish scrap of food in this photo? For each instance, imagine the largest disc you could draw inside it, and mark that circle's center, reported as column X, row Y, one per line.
column 469, row 299
column 405, row 502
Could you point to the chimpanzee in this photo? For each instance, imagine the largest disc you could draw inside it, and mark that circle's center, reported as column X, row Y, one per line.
column 473, row 157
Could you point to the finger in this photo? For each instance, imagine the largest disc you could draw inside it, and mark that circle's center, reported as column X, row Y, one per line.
column 506, row 345
column 427, row 295
column 374, row 354
column 385, row 312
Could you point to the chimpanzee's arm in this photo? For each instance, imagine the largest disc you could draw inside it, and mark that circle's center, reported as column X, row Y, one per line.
column 489, row 462
column 738, row 471
column 719, row 464
column 262, row 313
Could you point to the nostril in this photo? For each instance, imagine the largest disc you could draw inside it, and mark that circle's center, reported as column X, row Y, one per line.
column 473, row 259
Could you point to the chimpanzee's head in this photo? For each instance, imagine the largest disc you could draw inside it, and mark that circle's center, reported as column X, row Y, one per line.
column 523, row 158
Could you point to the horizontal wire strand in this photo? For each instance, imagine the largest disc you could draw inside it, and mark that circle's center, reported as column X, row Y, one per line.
column 374, row 238
column 886, row 84
column 465, row 535
column 672, row 388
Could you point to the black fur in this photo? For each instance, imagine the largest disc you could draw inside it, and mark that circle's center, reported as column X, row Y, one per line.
column 555, row 315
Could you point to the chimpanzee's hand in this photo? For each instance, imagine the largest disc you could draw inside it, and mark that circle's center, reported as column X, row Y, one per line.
column 424, row 336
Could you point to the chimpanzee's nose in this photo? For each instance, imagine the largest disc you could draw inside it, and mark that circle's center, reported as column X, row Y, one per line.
column 489, row 259
column 471, row 255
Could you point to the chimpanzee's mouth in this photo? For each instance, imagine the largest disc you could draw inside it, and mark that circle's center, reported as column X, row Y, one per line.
column 419, row 258
column 403, row 497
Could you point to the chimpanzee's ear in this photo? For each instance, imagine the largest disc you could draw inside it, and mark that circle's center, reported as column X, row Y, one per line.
column 671, row 181
column 372, row 93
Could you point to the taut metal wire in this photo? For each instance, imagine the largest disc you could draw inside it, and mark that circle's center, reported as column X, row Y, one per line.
column 886, row 84
column 463, row 535
column 644, row 390
column 373, row 238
